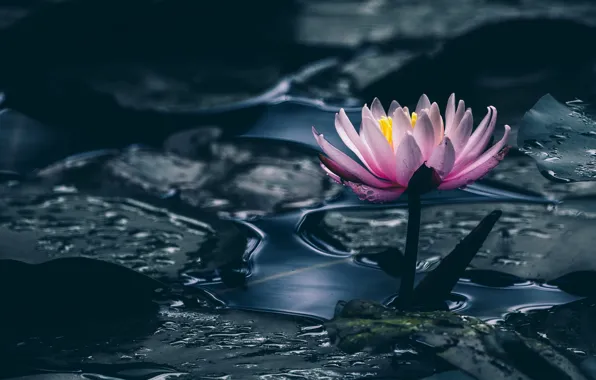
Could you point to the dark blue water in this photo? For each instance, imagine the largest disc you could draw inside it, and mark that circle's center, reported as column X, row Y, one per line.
column 285, row 271
column 299, row 278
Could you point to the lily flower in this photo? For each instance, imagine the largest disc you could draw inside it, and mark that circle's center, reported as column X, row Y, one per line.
column 393, row 145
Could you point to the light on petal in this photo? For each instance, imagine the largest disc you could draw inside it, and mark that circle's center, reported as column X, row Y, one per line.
column 393, row 145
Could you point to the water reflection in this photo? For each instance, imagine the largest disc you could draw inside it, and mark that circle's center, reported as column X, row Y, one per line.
column 312, row 281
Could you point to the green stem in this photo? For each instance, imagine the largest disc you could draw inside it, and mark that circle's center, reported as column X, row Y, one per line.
column 406, row 289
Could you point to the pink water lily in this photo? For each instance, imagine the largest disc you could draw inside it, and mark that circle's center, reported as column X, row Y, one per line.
column 392, row 146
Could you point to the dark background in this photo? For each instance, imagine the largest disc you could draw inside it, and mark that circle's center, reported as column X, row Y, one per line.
column 82, row 75
column 107, row 73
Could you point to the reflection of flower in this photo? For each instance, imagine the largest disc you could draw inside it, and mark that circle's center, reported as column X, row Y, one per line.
column 392, row 147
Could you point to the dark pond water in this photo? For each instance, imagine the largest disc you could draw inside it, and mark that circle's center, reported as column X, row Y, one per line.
column 201, row 177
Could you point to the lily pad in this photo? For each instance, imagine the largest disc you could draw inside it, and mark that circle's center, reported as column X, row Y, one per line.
column 562, row 140
column 71, row 301
column 530, row 241
column 113, row 372
column 478, row 349
column 208, row 343
column 244, row 178
column 519, row 172
column 142, row 62
column 159, row 243
column 349, row 25
column 173, row 87
column 71, row 291
column 569, row 326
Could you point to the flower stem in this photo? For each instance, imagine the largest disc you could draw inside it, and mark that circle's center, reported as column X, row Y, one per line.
column 406, row 288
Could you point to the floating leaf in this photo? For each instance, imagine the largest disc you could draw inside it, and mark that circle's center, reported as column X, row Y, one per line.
column 244, row 178
column 565, row 326
column 479, row 349
column 175, row 247
column 561, row 139
column 66, row 296
column 518, row 173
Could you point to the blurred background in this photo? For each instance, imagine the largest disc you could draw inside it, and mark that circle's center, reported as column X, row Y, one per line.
column 91, row 74
column 146, row 93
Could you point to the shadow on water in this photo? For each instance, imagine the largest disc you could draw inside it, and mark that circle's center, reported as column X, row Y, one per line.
column 224, row 206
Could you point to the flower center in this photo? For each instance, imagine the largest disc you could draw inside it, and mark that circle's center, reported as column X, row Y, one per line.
column 386, row 124
column 413, row 119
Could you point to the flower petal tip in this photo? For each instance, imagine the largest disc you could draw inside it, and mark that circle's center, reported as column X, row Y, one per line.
column 451, row 150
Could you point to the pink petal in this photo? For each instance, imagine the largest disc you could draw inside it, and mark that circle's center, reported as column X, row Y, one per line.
column 442, row 158
column 481, row 138
column 478, row 132
column 480, row 167
column 347, row 133
column 459, row 137
column 350, row 137
column 401, row 125
column 347, row 164
column 377, row 109
column 486, row 155
column 423, row 103
column 381, row 150
column 408, row 159
column 475, row 173
column 392, row 107
column 424, row 134
column 459, row 114
column 366, row 112
column 449, row 113
column 335, row 168
column 332, row 175
column 437, row 120
column 371, row 194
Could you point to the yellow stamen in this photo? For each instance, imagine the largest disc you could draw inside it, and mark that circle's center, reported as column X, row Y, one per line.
column 386, row 124
column 413, row 119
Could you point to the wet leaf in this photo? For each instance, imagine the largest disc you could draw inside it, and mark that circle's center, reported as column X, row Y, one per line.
column 173, row 87
column 569, row 326
column 368, row 326
column 204, row 342
column 169, row 246
column 562, row 140
column 244, row 178
column 519, row 173
column 126, row 371
column 478, row 349
column 66, row 296
column 150, row 66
